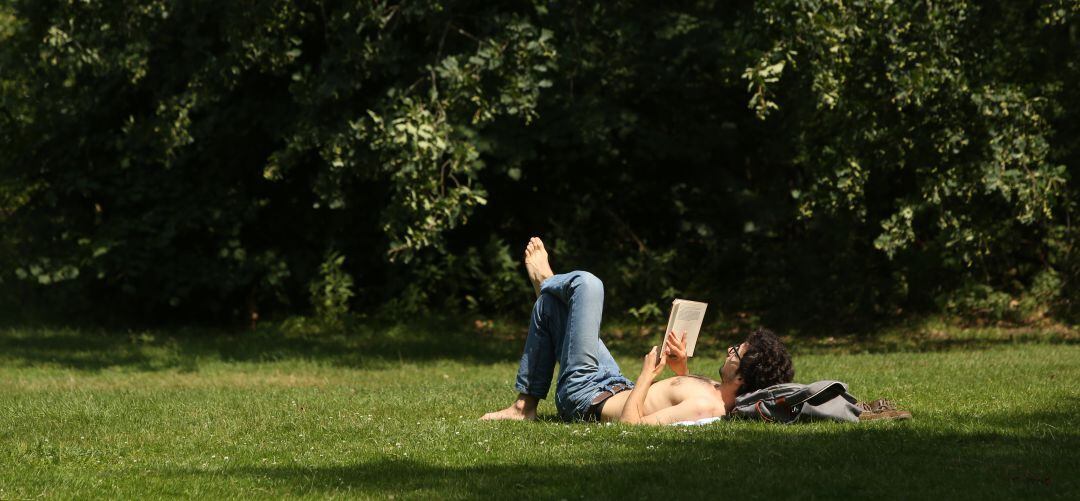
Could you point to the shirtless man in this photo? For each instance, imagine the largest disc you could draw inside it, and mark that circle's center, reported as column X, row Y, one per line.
column 565, row 328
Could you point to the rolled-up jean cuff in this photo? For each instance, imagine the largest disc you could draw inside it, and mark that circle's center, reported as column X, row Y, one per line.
column 533, row 393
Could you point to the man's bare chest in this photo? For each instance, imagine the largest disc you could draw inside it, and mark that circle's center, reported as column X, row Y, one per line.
column 675, row 390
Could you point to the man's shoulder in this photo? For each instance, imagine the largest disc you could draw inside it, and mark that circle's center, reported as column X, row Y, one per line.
column 714, row 405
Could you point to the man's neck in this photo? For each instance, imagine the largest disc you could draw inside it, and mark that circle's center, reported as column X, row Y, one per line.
column 728, row 392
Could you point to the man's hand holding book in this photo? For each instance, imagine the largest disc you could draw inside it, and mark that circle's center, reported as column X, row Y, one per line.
column 675, row 352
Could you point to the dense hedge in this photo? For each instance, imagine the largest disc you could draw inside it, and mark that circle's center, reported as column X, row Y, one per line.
column 814, row 161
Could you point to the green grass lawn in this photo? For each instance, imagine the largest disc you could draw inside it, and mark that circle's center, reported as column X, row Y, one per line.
column 379, row 414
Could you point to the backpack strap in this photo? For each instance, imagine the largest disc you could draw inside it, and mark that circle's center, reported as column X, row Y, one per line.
column 762, row 415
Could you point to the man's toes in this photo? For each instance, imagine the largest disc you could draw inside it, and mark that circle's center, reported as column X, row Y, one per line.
column 539, row 243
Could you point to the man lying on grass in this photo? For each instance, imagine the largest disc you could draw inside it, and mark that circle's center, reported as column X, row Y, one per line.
column 565, row 327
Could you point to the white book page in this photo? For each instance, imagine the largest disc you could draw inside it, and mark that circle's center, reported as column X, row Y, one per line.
column 671, row 320
column 687, row 316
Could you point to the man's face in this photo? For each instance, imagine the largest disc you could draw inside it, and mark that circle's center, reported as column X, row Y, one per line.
column 728, row 372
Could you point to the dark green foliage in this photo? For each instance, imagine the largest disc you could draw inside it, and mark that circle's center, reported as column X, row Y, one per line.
column 816, row 162
column 331, row 292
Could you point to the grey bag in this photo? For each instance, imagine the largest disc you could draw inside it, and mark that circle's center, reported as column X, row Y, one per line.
column 791, row 402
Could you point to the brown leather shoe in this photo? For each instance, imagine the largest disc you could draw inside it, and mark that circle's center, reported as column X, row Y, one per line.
column 881, row 409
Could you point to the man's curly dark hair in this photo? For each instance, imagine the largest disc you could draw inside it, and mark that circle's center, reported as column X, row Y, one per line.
column 765, row 363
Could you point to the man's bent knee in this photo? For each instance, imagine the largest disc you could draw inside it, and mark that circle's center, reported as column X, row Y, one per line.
column 586, row 280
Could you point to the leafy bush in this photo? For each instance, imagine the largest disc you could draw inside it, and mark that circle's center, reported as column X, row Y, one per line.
column 814, row 161
column 333, row 289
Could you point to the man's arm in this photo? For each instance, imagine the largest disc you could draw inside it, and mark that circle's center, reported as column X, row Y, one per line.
column 687, row 410
column 633, row 409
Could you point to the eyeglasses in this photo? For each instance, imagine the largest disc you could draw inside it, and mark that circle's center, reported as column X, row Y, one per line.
column 734, row 350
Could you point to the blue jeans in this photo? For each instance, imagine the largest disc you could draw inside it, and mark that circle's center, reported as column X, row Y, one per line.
column 565, row 327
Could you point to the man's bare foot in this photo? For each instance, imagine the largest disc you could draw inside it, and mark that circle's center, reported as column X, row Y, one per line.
column 536, row 263
column 523, row 409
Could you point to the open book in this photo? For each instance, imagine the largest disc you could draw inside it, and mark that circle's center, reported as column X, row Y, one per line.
column 686, row 316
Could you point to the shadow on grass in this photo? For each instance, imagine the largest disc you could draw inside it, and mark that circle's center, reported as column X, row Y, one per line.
column 872, row 461
column 370, row 344
column 937, row 340
column 914, row 336
column 93, row 350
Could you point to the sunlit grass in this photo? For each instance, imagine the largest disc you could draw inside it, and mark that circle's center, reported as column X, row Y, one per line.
column 382, row 412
